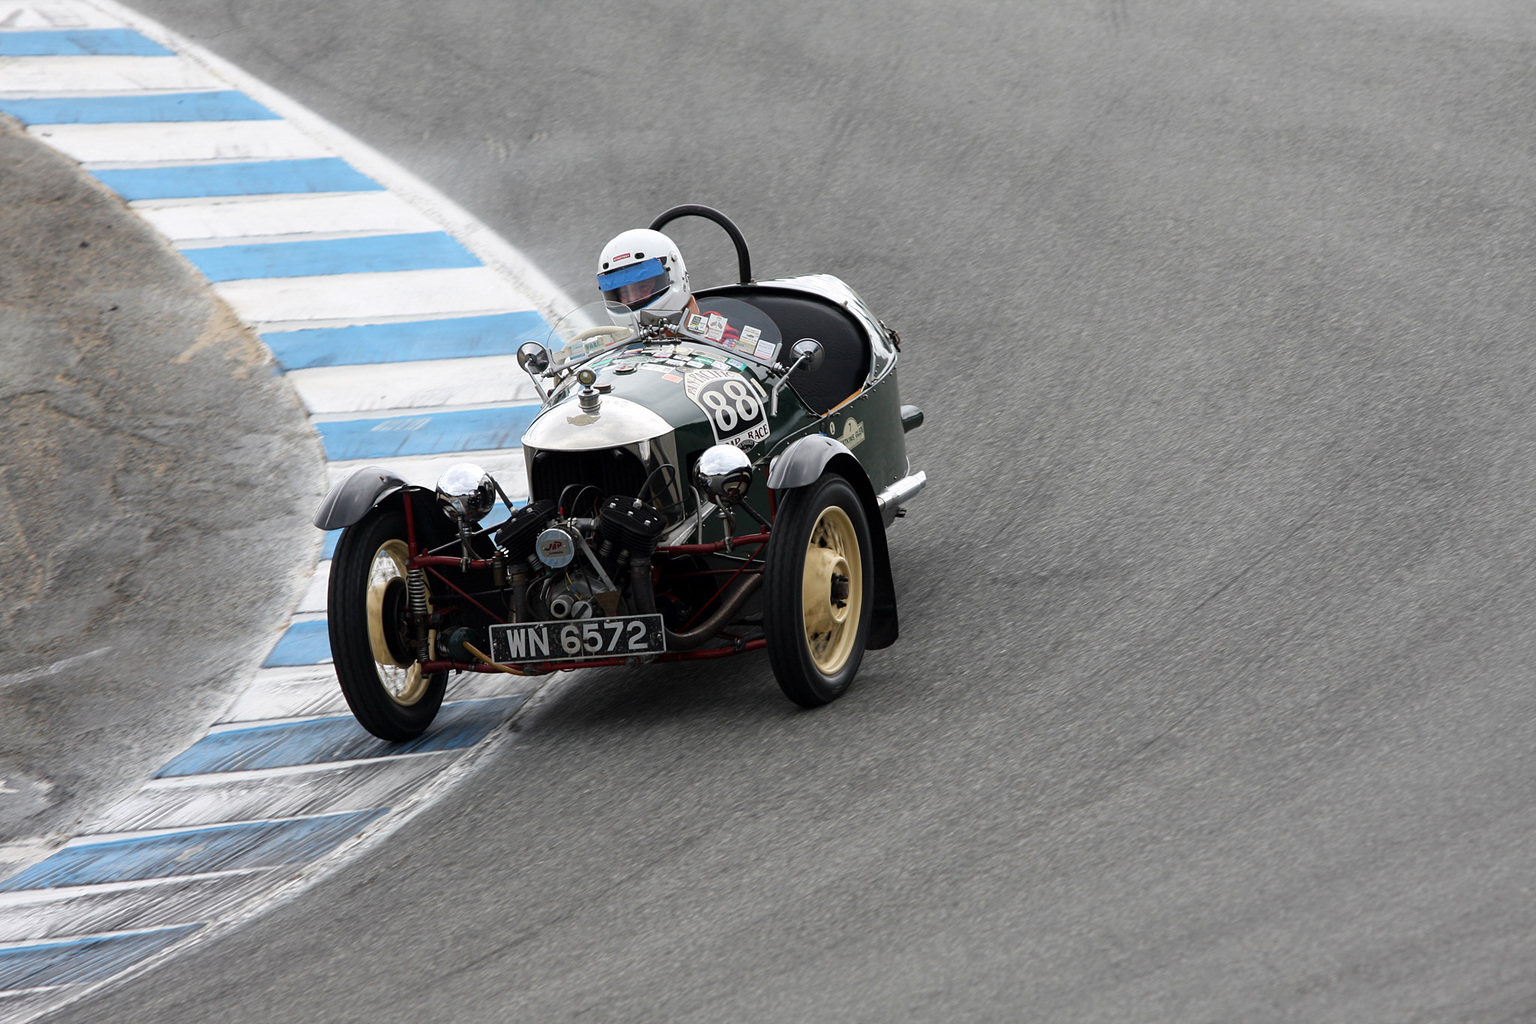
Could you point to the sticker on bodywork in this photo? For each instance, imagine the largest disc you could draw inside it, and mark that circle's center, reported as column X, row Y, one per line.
column 733, row 404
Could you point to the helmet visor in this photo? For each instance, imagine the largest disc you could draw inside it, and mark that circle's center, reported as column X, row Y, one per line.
column 634, row 285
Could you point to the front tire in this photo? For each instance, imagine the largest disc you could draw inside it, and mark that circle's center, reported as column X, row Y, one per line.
column 817, row 578
column 369, row 624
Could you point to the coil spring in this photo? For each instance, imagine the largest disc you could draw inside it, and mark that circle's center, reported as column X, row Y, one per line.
column 416, row 594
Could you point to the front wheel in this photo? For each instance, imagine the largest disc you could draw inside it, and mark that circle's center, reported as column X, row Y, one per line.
column 368, row 608
column 816, row 605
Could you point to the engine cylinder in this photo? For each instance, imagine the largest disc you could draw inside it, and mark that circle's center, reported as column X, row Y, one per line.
column 519, row 532
column 631, row 524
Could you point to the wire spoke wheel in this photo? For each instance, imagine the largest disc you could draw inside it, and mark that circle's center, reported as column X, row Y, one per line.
column 368, row 608
column 389, row 623
column 815, row 598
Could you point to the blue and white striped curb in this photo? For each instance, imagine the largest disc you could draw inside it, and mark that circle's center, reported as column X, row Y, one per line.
column 396, row 316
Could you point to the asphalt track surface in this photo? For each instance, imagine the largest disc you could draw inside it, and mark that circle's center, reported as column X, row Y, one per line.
column 1213, row 700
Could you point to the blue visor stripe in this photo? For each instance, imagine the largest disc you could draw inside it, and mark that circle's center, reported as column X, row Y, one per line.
column 630, row 274
column 81, row 961
column 456, row 338
column 80, row 42
column 432, row 250
column 262, row 177
column 325, row 740
column 259, row 844
column 176, row 106
column 431, row 433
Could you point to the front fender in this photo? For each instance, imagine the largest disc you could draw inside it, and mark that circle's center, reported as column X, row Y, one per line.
column 801, row 464
column 351, row 499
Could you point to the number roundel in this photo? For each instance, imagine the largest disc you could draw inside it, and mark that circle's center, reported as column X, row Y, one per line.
column 735, row 410
column 720, row 410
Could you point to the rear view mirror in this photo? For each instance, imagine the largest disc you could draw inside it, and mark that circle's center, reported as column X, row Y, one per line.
column 533, row 357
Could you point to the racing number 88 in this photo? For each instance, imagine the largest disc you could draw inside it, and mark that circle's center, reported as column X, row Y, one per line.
column 730, row 402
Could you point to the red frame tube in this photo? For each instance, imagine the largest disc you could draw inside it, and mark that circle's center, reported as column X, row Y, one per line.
column 426, row 561
column 420, row 561
column 461, row 593
column 714, row 548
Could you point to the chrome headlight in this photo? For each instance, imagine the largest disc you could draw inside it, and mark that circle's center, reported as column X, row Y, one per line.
column 724, row 473
column 466, row 491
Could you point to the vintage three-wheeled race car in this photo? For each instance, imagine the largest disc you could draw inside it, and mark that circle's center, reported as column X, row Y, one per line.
column 696, row 489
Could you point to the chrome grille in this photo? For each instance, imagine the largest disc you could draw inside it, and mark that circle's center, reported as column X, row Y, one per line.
column 610, row 470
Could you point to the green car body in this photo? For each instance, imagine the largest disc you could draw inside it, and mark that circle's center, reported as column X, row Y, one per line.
column 696, row 490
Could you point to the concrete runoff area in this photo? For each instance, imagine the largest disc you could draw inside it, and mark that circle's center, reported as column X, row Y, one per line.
column 156, row 485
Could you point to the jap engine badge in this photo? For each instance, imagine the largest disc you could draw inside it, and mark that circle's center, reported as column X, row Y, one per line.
column 555, row 548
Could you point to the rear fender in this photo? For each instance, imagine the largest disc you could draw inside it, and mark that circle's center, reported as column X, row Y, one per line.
column 355, row 496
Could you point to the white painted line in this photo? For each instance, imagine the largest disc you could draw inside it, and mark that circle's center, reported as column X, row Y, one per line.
column 227, row 725
column 307, row 790
column 437, row 383
column 290, row 675
column 72, row 911
column 140, row 144
column 505, row 464
column 318, row 697
column 413, row 293
column 322, row 698
column 61, row 76
column 140, row 205
column 314, row 595
column 475, row 236
column 217, row 827
column 395, row 412
column 211, row 219
column 279, row 326
column 35, row 15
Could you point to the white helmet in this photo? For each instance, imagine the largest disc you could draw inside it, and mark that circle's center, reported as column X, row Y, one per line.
column 643, row 269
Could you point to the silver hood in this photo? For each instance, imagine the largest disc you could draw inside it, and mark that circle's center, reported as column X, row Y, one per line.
column 618, row 421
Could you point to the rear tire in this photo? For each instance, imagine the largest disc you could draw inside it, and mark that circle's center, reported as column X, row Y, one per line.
column 817, row 581
column 370, row 632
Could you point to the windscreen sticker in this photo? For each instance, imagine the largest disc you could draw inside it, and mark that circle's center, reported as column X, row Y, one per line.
column 733, row 405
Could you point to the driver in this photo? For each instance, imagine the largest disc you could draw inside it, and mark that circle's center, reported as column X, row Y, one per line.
column 643, row 270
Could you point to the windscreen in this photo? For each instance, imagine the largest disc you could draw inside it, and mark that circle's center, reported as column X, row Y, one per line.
column 589, row 330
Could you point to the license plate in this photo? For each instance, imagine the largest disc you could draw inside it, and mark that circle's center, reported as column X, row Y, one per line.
column 617, row 636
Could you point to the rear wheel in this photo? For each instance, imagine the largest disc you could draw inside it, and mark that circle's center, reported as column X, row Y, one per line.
column 816, row 580
column 369, row 612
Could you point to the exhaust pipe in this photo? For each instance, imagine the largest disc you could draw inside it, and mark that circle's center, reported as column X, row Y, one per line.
column 730, row 604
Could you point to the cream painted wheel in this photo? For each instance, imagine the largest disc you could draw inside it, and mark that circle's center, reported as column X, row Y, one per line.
column 368, row 612
column 816, row 580
column 399, row 673
column 832, row 590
